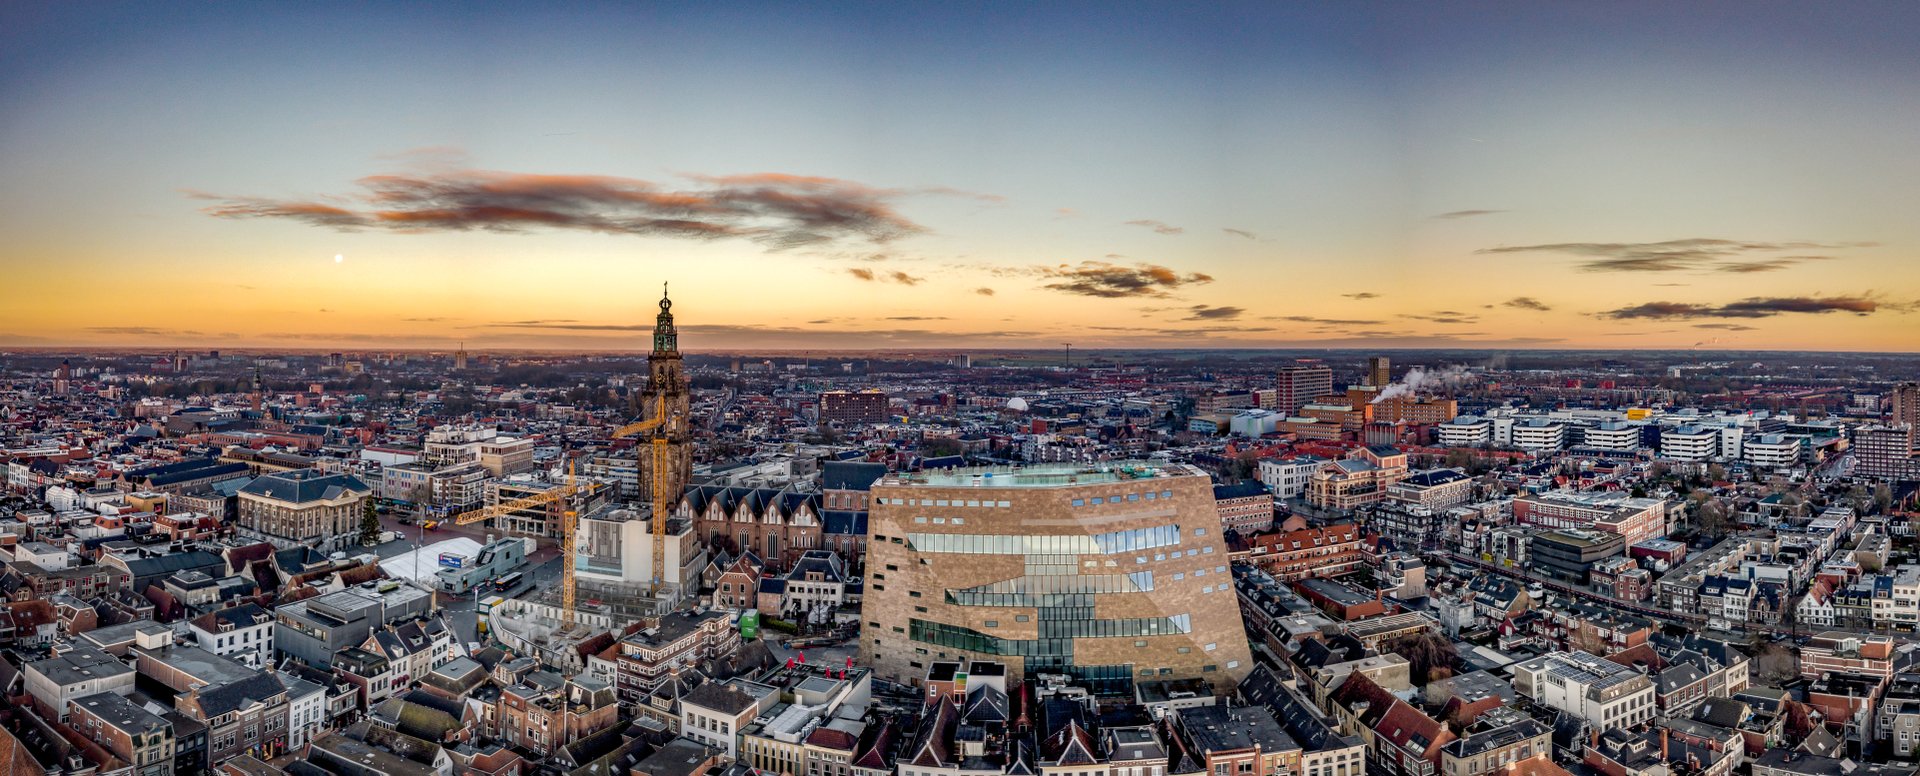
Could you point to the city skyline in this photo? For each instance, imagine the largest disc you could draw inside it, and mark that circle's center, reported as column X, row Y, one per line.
column 873, row 177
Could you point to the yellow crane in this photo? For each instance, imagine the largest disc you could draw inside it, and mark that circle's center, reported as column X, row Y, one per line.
column 657, row 487
column 567, row 521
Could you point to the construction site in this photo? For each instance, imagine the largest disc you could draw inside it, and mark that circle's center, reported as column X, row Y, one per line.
column 621, row 563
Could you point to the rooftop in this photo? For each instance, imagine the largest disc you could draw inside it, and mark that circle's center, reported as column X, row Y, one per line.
column 1044, row 475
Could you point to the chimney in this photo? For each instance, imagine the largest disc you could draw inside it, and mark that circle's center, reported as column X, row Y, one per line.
column 1663, row 745
column 1593, row 738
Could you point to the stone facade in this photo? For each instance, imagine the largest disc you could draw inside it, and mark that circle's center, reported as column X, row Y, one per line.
column 1112, row 574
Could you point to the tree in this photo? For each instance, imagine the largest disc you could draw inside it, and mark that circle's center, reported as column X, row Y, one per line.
column 1882, row 498
column 1712, row 518
column 1799, row 723
column 369, row 521
column 1429, row 655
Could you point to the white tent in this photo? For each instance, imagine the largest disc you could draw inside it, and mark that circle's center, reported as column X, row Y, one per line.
column 421, row 564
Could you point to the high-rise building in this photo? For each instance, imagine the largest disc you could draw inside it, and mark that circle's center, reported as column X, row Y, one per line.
column 850, row 407
column 1110, row 573
column 1906, row 407
column 1886, row 452
column 667, row 384
column 1379, row 371
column 460, row 357
column 1301, row 384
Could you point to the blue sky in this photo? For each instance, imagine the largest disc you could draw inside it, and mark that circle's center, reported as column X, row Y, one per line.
column 1017, row 141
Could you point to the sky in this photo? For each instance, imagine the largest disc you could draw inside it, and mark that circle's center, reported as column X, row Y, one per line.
column 961, row 175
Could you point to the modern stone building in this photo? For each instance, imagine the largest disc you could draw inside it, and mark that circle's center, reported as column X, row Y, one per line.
column 306, row 507
column 1111, row 573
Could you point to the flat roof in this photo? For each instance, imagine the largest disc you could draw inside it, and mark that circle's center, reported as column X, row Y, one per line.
column 1044, row 475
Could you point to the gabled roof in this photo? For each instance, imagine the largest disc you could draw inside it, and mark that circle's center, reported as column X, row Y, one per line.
column 1070, row 745
column 986, row 703
column 1412, row 730
column 931, row 743
column 850, row 475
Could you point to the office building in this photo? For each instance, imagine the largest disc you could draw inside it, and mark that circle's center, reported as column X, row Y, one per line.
column 1906, row 405
column 1423, row 410
column 1465, row 431
column 1107, row 573
column 1609, row 696
column 1886, row 452
column 1635, row 519
column 1689, row 443
column 850, row 408
column 1379, row 371
column 1301, row 384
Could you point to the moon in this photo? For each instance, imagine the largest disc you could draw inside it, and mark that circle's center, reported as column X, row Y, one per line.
column 339, row 257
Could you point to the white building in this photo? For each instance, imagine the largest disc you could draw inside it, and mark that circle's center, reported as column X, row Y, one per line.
column 1288, row 479
column 1619, row 437
column 306, row 710
column 1773, row 451
column 1689, row 443
column 244, row 633
column 1609, row 696
column 1255, row 423
column 615, row 547
column 1465, row 431
column 1539, row 435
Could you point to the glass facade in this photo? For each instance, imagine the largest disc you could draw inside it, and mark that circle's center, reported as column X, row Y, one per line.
column 1085, row 544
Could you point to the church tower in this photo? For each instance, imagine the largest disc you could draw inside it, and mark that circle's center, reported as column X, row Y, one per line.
column 665, row 379
column 259, row 391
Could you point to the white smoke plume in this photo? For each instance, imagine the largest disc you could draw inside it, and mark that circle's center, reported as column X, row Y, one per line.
column 1419, row 379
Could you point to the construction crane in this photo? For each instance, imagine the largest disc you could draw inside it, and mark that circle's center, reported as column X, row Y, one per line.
column 567, row 521
column 657, row 487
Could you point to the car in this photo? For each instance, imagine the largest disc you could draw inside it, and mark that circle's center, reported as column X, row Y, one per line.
column 431, row 525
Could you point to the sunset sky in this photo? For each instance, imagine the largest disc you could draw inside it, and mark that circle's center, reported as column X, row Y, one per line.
column 921, row 175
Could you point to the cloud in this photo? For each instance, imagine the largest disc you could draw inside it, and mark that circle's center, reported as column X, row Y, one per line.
column 433, row 319
column 1157, row 226
column 917, row 318
column 1697, row 253
column 1240, row 233
column 983, row 291
column 775, row 209
column 1362, row 295
column 1768, row 265
column 1202, row 312
column 1113, row 281
column 1751, row 307
column 898, row 277
column 1324, row 321
column 1468, row 213
column 144, row 331
column 1447, row 317
column 1526, row 303
column 1724, row 326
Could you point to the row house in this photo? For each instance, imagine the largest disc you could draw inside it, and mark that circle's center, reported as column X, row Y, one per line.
column 1309, row 552
column 543, row 713
column 640, row 661
column 779, row 524
column 412, row 648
